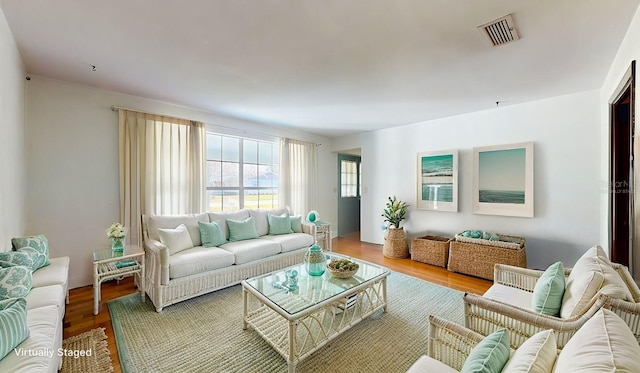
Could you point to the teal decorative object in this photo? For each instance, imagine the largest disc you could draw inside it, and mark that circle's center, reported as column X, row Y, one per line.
column 313, row 216
column 476, row 234
column 466, row 234
column 486, row 235
column 315, row 261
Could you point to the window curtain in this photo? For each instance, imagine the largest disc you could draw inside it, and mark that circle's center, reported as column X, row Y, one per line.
column 298, row 176
column 162, row 168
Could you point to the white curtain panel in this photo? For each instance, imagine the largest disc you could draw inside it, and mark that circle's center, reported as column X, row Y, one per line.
column 162, row 168
column 298, row 176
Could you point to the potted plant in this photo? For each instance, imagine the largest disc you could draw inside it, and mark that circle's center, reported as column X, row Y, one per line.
column 395, row 241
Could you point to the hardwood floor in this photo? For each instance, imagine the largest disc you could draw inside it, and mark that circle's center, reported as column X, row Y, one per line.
column 79, row 313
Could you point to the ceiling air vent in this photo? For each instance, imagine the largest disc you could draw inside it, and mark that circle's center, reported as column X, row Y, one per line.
column 500, row 31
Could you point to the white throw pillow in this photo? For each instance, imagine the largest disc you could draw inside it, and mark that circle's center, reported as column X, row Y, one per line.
column 603, row 344
column 536, row 355
column 177, row 239
column 579, row 291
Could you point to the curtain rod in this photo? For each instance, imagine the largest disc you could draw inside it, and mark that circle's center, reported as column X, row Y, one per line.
column 116, row 108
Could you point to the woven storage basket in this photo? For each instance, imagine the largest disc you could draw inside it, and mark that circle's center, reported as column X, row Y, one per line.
column 432, row 250
column 479, row 259
column 395, row 244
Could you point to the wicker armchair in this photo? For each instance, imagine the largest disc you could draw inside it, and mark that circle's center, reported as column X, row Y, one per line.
column 450, row 343
column 485, row 315
column 628, row 311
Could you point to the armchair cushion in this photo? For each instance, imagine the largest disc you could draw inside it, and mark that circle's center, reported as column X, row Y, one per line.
column 426, row 364
column 177, row 239
column 548, row 291
column 536, row 355
column 603, row 344
column 490, row 355
column 595, row 259
column 579, row 292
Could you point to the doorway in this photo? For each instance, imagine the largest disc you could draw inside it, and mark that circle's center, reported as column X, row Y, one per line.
column 349, row 181
column 621, row 174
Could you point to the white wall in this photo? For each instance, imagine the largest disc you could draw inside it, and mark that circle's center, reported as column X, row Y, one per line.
column 566, row 135
column 72, row 163
column 629, row 51
column 12, row 161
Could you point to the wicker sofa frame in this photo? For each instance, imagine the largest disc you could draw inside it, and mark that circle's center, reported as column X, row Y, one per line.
column 485, row 315
column 164, row 292
column 450, row 343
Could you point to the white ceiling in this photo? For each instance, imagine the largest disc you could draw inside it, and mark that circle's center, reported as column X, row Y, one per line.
column 331, row 67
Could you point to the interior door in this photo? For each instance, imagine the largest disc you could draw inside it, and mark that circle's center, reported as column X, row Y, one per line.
column 348, row 194
column 621, row 214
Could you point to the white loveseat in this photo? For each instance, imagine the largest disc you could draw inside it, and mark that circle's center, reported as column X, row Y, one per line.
column 40, row 352
column 174, row 277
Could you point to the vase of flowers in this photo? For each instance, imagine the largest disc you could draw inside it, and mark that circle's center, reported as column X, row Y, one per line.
column 117, row 233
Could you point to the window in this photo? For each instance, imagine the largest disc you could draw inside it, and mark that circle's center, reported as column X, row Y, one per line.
column 349, row 183
column 241, row 173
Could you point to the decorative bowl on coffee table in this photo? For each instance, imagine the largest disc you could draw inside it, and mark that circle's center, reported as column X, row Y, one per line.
column 342, row 268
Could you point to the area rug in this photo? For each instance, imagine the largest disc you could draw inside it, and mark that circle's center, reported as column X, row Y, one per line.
column 205, row 334
column 97, row 360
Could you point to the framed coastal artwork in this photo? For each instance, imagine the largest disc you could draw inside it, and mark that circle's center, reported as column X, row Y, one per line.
column 503, row 180
column 438, row 181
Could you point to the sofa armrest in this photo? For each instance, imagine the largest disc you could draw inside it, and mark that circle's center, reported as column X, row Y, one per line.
column 628, row 311
column 450, row 343
column 308, row 228
column 157, row 262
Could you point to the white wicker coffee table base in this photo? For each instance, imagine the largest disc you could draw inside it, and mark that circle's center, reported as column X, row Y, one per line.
column 297, row 336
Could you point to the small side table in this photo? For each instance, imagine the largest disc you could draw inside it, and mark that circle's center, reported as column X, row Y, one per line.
column 108, row 265
column 322, row 234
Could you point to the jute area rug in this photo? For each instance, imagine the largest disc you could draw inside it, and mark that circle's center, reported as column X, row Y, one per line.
column 205, row 334
column 98, row 362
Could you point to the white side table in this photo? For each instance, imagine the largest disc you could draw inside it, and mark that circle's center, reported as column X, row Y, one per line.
column 108, row 265
column 322, row 234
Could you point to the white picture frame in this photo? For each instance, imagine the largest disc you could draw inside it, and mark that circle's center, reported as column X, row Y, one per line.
column 503, row 180
column 437, row 180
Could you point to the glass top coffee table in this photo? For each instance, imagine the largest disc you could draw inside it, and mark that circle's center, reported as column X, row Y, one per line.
column 298, row 321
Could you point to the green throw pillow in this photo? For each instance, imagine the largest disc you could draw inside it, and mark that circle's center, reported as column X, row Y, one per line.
column 15, row 282
column 34, row 244
column 490, row 355
column 13, row 323
column 549, row 289
column 279, row 224
column 211, row 234
column 240, row 230
column 18, row 258
column 296, row 223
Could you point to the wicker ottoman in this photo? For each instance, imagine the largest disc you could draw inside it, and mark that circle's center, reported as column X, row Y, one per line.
column 432, row 250
column 477, row 257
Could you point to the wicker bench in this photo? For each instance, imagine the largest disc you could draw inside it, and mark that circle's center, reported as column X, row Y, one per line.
column 477, row 257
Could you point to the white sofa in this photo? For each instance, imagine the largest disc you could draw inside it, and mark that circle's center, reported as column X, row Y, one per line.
column 45, row 312
column 171, row 278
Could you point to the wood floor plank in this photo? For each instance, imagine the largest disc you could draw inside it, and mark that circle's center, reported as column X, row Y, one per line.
column 79, row 312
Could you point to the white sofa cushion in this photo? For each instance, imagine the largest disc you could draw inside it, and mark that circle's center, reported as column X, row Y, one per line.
column 56, row 273
column 197, row 260
column 249, row 250
column 596, row 260
column 223, row 216
column 603, row 344
column 291, row 242
column 507, row 294
column 45, row 330
column 176, row 239
column 426, row 364
column 536, row 355
column 155, row 222
column 51, row 295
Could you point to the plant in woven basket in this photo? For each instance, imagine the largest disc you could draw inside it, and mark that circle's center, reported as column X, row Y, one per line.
column 395, row 211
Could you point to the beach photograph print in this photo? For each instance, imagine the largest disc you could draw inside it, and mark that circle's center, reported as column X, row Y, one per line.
column 504, row 180
column 437, row 174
